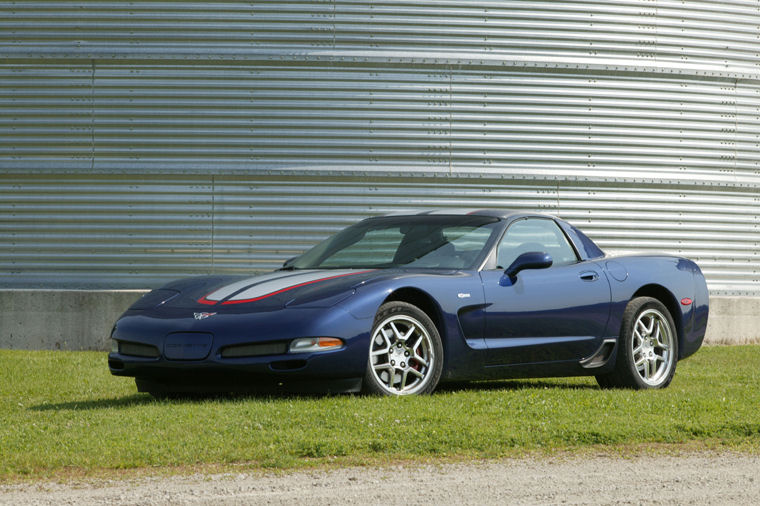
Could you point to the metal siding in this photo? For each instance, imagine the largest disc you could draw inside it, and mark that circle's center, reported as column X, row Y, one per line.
column 151, row 140
column 720, row 228
column 262, row 117
column 103, row 231
column 45, row 116
column 708, row 34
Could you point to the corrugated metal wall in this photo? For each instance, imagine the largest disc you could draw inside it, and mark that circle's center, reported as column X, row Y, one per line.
column 146, row 141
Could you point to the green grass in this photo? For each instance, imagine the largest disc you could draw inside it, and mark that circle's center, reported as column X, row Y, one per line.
column 62, row 412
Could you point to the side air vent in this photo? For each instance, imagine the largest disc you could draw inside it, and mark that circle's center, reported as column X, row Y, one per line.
column 601, row 356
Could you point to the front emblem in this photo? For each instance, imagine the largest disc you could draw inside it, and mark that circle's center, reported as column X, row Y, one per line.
column 202, row 316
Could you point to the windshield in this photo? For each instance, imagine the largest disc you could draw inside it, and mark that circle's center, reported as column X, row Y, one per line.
column 442, row 242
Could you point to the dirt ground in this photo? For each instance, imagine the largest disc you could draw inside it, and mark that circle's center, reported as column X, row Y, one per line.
column 701, row 478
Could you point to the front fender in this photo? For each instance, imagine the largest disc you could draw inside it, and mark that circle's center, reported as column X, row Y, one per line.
column 457, row 300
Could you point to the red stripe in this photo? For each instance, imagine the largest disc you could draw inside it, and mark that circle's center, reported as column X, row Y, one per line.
column 204, row 300
column 292, row 287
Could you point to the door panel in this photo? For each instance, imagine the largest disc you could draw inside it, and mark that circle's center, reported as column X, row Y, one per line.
column 553, row 314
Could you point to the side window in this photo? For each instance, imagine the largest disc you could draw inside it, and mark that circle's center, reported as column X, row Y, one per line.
column 535, row 234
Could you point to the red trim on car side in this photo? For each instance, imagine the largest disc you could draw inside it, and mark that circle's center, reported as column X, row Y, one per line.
column 204, row 300
column 243, row 301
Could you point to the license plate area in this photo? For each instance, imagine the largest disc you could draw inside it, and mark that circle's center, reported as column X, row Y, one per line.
column 187, row 346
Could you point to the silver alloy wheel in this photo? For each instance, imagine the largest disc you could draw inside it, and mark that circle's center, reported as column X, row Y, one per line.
column 651, row 347
column 401, row 355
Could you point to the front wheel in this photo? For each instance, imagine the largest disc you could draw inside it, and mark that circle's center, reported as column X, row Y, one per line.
column 405, row 352
column 647, row 348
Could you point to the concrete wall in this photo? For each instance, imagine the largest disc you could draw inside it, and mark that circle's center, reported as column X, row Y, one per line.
column 733, row 320
column 61, row 319
column 82, row 319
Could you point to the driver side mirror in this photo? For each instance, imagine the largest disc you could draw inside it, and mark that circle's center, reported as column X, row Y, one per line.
column 529, row 260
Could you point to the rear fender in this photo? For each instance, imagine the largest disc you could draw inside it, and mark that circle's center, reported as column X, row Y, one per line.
column 676, row 282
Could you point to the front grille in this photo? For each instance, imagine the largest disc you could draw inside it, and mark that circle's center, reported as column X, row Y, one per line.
column 138, row 350
column 254, row 350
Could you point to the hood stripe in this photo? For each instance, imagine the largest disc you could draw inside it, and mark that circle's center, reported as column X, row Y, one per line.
column 222, row 293
column 272, row 285
column 276, row 292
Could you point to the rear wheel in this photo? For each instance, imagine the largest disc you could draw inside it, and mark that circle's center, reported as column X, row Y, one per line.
column 647, row 348
column 405, row 352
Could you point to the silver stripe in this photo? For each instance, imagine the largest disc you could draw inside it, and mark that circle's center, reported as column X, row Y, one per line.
column 226, row 291
column 263, row 289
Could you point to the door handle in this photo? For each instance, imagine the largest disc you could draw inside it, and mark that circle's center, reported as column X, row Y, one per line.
column 589, row 276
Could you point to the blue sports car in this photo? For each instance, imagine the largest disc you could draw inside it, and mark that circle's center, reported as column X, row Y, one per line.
column 395, row 305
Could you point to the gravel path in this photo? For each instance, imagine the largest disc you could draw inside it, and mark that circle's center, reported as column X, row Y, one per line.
column 704, row 478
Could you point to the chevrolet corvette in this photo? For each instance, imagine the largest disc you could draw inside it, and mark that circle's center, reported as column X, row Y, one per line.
column 396, row 305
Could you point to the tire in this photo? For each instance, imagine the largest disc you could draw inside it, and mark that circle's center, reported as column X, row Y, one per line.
column 405, row 352
column 647, row 348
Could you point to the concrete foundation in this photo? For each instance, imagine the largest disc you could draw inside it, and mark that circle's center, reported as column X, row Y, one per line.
column 733, row 320
column 61, row 319
column 82, row 319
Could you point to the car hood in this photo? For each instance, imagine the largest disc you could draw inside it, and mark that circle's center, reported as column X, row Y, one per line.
column 267, row 292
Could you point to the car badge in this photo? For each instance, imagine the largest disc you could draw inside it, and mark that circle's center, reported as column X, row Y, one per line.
column 463, row 295
column 202, row 316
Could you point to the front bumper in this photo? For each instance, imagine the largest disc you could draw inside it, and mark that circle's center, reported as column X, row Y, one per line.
column 211, row 370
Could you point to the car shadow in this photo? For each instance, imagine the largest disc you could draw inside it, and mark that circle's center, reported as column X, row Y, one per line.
column 513, row 385
column 139, row 399
column 118, row 402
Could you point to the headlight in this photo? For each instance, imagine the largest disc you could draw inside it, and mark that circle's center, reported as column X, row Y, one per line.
column 114, row 346
column 310, row 344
